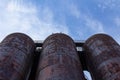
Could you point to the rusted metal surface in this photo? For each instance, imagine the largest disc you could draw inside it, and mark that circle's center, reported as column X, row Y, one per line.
column 16, row 55
column 103, row 57
column 59, row 59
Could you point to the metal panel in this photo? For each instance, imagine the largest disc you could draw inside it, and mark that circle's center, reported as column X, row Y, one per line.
column 103, row 57
column 59, row 59
column 16, row 55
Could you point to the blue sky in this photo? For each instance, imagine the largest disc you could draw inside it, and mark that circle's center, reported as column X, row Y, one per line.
column 78, row 18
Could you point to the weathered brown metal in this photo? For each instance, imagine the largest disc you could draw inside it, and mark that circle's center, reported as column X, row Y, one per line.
column 103, row 57
column 16, row 55
column 59, row 59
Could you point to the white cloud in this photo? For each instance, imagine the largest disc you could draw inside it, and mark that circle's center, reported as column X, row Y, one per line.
column 74, row 10
column 18, row 6
column 117, row 21
column 111, row 4
column 94, row 24
column 87, row 20
column 89, row 27
column 47, row 15
column 18, row 17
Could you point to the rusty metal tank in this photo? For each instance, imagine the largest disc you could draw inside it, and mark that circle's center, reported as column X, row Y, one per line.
column 16, row 55
column 59, row 59
column 103, row 57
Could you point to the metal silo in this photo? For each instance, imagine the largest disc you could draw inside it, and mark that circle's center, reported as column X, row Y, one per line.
column 16, row 55
column 103, row 57
column 59, row 59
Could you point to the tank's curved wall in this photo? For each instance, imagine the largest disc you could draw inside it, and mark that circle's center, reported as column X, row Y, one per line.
column 103, row 57
column 59, row 59
column 16, row 56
